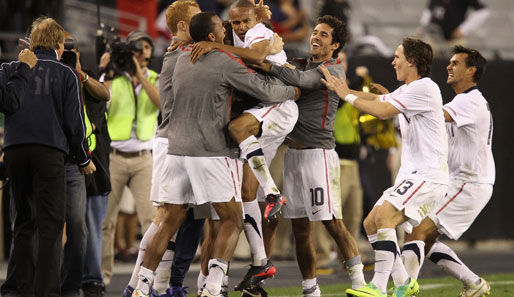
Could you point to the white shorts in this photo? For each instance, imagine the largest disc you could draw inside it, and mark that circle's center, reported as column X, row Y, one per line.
column 455, row 213
column 416, row 197
column 198, row 180
column 311, row 184
column 278, row 121
column 159, row 153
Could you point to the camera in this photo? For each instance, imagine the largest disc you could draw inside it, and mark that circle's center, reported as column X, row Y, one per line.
column 69, row 57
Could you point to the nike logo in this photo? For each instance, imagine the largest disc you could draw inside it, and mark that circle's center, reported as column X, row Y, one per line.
column 315, row 212
column 258, row 166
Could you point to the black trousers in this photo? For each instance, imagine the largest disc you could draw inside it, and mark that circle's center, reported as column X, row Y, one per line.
column 38, row 182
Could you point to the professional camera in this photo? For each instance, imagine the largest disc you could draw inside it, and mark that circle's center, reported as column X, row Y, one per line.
column 69, row 57
column 122, row 53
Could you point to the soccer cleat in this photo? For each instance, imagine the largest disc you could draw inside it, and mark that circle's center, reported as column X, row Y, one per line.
column 482, row 289
column 255, row 275
column 128, row 291
column 176, row 292
column 314, row 291
column 410, row 289
column 224, row 290
column 139, row 293
column 206, row 293
column 273, row 205
column 254, row 291
column 368, row 290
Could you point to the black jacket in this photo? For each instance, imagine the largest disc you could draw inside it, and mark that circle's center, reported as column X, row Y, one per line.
column 51, row 111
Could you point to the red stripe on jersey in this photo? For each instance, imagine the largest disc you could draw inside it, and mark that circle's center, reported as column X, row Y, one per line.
column 325, row 93
column 451, row 109
column 237, row 171
column 326, row 177
column 453, row 198
column 233, row 179
column 338, row 61
column 400, row 103
column 260, row 37
column 415, row 191
column 185, row 49
column 237, row 60
column 327, row 63
column 269, row 110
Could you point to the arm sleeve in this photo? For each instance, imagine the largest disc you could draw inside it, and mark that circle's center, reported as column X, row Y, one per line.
column 247, row 81
column 461, row 110
column 310, row 79
column 74, row 121
column 410, row 100
column 11, row 93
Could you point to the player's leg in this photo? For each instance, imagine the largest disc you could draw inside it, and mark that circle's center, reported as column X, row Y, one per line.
column 306, row 256
column 348, row 248
column 243, row 130
column 174, row 215
column 230, row 214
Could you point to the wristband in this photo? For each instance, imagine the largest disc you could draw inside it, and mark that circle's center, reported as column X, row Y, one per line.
column 350, row 98
column 85, row 79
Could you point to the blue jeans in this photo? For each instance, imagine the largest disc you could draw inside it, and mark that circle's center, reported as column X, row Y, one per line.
column 95, row 214
column 188, row 237
column 76, row 232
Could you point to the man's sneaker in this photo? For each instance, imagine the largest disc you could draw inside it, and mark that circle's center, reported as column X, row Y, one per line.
column 368, row 290
column 410, row 289
column 128, row 291
column 256, row 274
column 206, row 293
column 92, row 289
column 139, row 293
column 483, row 288
column 315, row 291
column 254, row 291
column 273, row 205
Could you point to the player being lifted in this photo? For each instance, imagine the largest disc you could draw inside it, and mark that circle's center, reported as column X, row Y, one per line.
column 423, row 176
column 472, row 173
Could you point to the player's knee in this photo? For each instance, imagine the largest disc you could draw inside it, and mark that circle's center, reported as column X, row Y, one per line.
column 369, row 225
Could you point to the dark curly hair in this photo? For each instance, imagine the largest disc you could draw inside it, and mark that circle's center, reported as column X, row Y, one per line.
column 338, row 35
column 419, row 53
column 474, row 59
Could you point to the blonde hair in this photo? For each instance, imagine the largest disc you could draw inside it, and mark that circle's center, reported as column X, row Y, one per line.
column 46, row 33
column 178, row 11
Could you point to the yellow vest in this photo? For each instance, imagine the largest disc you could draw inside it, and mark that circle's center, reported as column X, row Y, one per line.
column 346, row 125
column 91, row 137
column 123, row 110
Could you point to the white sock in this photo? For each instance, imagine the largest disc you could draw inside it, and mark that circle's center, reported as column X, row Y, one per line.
column 162, row 273
column 413, row 256
column 399, row 273
column 253, row 232
column 251, row 151
column 145, row 281
column 385, row 252
column 217, row 270
column 200, row 282
column 445, row 257
column 141, row 254
column 309, row 283
column 354, row 266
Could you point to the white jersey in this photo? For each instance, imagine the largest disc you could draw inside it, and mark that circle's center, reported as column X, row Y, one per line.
column 470, row 135
column 257, row 34
column 424, row 141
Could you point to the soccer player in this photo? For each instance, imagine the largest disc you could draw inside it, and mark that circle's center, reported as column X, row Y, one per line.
column 259, row 131
column 178, row 16
column 472, row 173
column 423, row 175
column 311, row 165
column 200, row 165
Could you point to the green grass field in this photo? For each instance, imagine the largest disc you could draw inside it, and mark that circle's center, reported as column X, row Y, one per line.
column 502, row 285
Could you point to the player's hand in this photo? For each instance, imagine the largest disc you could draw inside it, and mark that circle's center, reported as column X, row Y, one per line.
column 290, row 66
column 28, row 57
column 262, row 11
column 200, row 49
column 89, row 169
column 297, row 93
column 379, row 89
column 334, row 84
column 104, row 60
column 177, row 44
column 278, row 44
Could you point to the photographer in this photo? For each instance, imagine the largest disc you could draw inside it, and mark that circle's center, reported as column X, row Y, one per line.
column 132, row 121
